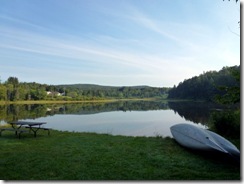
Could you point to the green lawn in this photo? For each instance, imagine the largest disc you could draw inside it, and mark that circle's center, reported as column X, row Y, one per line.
column 88, row 156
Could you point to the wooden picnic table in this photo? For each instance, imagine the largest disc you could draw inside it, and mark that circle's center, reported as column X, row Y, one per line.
column 33, row 126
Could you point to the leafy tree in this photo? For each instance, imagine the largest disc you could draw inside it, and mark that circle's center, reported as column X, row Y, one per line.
column 3, row 92
column 10, row 89
column 14, row 81
column 232, row 93
column 228, row 122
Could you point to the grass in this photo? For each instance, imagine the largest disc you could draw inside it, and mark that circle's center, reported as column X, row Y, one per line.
column 90, row 156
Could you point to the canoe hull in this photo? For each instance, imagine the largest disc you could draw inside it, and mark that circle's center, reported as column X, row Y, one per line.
column 191, row 136
column 225, row 144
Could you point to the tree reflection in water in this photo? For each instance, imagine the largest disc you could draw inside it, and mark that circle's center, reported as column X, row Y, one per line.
column 148, row 118
column 197, row 112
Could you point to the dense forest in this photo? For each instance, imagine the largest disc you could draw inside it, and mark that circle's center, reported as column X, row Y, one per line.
column 13, row 90
column 208, row 86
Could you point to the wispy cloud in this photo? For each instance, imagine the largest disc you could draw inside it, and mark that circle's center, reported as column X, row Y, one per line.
column 22, row 22
column 116, row 64
column 116, row 42
column 150, row 24
column 34, row 43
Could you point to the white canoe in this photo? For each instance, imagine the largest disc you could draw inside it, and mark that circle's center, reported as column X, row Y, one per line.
column 193, row 137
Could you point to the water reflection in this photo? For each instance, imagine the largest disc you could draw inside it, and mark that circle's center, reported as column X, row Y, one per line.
column 14, row 112
column 136, row 118
column 130, row 123
column 197, row 112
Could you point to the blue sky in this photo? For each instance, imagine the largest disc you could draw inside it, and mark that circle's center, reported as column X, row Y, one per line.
column 117, row 42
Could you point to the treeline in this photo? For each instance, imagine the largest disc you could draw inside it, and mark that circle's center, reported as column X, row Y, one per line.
column 13, row 90
column 209, row 86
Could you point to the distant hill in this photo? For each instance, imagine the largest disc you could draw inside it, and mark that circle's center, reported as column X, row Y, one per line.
column 84, row 86
column 95, row 86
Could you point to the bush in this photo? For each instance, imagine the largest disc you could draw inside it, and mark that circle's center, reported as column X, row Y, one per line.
column 226, row 123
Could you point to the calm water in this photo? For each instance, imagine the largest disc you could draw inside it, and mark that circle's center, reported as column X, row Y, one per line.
column 133, row 123
column 123, row 118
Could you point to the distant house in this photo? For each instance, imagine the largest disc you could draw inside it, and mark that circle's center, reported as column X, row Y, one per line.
column 49, row 93
column 54, row 93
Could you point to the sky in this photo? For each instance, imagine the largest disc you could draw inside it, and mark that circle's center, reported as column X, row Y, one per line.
column 157, row 43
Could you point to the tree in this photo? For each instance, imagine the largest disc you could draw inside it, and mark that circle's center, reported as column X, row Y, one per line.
column 3, row 92
column 232, row 93
column 10, row 90
column 14, row 81
column 228, row 122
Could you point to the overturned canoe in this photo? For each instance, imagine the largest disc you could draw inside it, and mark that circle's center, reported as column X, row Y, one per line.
column 194, row 137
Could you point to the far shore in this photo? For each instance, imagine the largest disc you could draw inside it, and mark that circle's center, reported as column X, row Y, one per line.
column 75, row 101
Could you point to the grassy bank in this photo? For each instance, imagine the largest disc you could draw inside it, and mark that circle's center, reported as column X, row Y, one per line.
column 88, row 156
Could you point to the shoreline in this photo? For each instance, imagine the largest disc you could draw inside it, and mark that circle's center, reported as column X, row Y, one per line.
column 75, row 101
column 94, row 101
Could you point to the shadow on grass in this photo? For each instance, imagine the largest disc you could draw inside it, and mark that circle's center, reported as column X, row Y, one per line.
column 215, row 157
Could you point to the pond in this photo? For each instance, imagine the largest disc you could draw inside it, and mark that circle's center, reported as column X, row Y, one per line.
column 130, row 118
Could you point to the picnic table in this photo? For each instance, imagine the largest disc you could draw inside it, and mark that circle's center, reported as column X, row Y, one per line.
column 32, row 126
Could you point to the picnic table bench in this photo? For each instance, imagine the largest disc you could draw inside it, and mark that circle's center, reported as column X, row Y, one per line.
column 17, row 132
column 18, row 126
